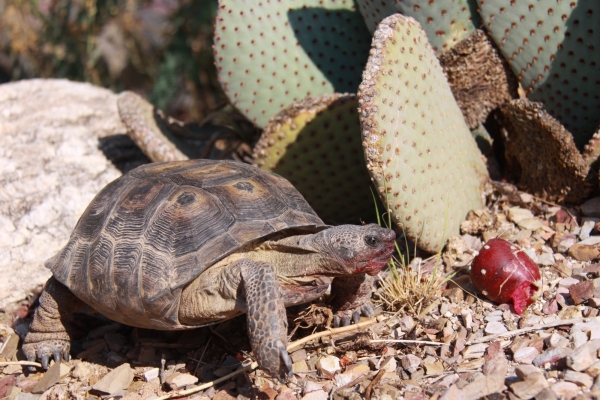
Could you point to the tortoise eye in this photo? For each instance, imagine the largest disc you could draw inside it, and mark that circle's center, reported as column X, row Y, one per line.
column 372, row 241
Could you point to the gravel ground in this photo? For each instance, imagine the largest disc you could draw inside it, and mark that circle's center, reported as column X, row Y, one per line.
column 459, row 346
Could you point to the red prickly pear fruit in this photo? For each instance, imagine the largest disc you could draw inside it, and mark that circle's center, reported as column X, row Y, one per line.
column 503, row 273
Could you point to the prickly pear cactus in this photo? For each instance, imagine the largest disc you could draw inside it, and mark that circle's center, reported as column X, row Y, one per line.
column 535, row 139
column 554, row 49
column 373, row 11
column 272, row 53
column 146, row 128
column 419, row 151
column 479, row 77
column 446, row 22
column 316, row 144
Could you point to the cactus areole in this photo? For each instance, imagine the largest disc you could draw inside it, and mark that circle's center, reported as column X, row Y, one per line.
column 503, row 273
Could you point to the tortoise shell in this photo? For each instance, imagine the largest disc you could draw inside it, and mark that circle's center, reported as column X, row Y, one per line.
column 152, row 231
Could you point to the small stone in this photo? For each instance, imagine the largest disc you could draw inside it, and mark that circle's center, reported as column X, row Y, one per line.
column 316, row 395
column 64, row 370
column 584, row 356
column 9, row 348
column 550, row 307
column 390, row 365
column 579, row 338
column 178, row 380
column 586, row 227
column 82, row 371
column 151, row 374
column 434, row 368
column 13, row 369
column 493, row 328
column 582, row 291
column 350, row 375
column 27, row 396
column 546, row 259
column 565, row 390
column 328, row 366
column 300, row 366
column 517, row 214
column 594, row 369
column 526, row 355
column 579, row 378
column 410, row 363
column 531, row 224
column 407, row 323
column 563, row 242
column 584, row 252
column 48, row 380
column 594, row 302
column 532, row 381
column 546, row 394
column 552, row 356
column 567, row 282
column 591, row 208
column 115, row 381
column 311, row 386
column 299, row 355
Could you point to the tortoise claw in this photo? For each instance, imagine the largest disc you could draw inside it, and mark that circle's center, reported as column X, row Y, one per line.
column 44, row 360
column 57, row 356
column 336, row 321
column 367, row 310
column 345, row 320
column 356, row 316
column 31, row 368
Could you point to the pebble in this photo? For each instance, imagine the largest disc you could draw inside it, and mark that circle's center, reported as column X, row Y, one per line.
column 566, row 282
column 178, row 380
column 532, row 381
column 591, row 208
column 517, row 214
column 151, row 374
column 9, row 349
column 495, row 327
column 406, row 323
column 27, row 396
column 526, row 355
column 311, row 386
column 567, row 390
column 579, row 378
column 584, row 356
column 586, row 227
column 546, row 259
column 316, row 395
column 299, row 355
column 82, row 371
column 350, row 375
column 328, row 366
column 546, row 394
column 48, row 380
column 552, row 356
column 594, row 369
column 584, row 252
column 565, row 242
column 531, row 224
column 115, row 381
column 410, row 363
column 579, row 338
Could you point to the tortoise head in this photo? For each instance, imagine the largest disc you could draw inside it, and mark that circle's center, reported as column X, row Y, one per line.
column 356, row 248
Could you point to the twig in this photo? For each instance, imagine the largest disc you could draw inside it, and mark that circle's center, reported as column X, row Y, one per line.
column 32, row 363
column 331, row 332
column 208, row 384
column 532, row 328
column 406, row 341
column 374, row 382
column 254, row 365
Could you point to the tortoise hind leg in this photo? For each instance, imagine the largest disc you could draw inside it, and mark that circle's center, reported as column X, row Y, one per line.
column 47, row 335
column 266, row 318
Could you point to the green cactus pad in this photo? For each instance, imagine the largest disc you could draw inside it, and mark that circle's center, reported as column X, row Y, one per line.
column 446, row 22
column 418, row 148
column 316, row 144
column 479, row 77
column 373, row 11
column 554, row 49
column 550, row 165
column 272, row 53
column 148, row 129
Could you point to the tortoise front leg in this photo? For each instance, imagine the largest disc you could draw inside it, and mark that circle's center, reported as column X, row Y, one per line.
column 47, row 335
column 266, row 317
column 351, row 298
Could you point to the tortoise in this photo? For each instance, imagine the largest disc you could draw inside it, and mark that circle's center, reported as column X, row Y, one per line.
column 184, row 244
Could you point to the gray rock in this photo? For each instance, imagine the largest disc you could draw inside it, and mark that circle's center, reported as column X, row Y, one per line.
column 48, row 380
column 115, row 381
column 50, row 169
column 532, row 382
column 579, row 378
column 584, row 356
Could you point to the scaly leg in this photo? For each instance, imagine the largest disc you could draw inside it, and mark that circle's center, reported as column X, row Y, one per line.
column 267, row 322
column 47, row 335
column 351, row 298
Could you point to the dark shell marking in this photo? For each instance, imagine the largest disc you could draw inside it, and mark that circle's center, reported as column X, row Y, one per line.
column 152, row 231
